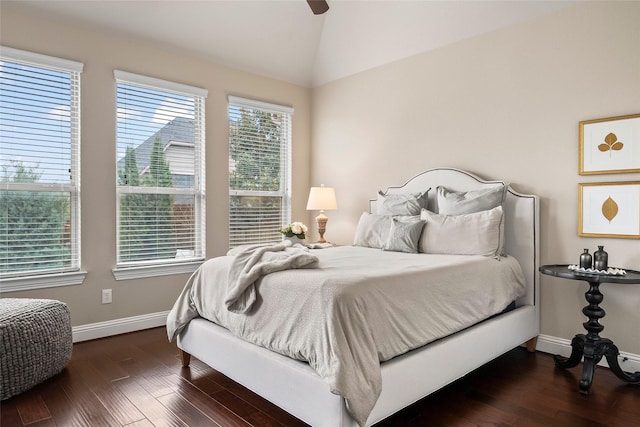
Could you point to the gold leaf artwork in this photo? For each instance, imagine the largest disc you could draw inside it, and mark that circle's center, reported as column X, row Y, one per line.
column 609, row 209
column 611, row 143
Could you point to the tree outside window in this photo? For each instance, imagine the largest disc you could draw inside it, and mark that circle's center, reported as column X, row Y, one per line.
column 160, row 171
column 259, row 171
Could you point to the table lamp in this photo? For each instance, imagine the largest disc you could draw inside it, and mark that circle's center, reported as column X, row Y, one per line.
column 321, row 198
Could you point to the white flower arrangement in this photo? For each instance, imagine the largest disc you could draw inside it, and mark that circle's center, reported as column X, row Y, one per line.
column 295, row 229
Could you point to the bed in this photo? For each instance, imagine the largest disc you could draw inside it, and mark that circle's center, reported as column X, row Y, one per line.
column 297, row 388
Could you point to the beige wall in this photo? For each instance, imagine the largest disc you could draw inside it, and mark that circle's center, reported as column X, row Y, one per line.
column 101, row 54
column 504, row 106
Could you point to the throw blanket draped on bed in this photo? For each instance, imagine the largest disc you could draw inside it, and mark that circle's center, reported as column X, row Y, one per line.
column 360, row 307
column 252, row 262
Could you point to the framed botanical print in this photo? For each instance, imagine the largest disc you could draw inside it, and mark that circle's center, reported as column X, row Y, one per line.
column 610, row 145
column 609, row 209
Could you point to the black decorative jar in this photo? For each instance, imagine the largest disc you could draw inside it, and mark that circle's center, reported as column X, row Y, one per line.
column 585, row 259
column 600, row 259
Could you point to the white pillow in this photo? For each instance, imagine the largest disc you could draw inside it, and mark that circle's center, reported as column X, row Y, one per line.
column 404, row 236
column 477, row 233
column 373, row 230
column 402, row 204
column 466, row 202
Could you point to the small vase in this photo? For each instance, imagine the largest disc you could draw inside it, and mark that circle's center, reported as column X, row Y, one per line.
column 600, row 259
column 585, row 259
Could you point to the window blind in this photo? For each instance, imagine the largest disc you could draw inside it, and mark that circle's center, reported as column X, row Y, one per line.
column 40, row 161
column 259, row 171
column 160, row 171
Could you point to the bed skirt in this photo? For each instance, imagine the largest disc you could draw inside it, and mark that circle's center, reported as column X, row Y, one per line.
column 295, row 387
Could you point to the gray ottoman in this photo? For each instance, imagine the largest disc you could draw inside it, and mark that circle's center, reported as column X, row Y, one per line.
column 35, row 342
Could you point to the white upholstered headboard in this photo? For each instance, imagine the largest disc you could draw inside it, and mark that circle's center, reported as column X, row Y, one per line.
column 521, row 212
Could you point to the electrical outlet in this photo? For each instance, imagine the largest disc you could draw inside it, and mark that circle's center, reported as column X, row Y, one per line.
column 106, row 296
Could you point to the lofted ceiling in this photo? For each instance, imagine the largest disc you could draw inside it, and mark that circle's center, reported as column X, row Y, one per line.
column 283, row 39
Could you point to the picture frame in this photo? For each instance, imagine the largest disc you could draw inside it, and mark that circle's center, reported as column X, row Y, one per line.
column 609, row 209
column 610, row 145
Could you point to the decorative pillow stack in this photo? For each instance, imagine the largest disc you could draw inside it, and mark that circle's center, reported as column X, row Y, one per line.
column 396, row 227
column 467, row 223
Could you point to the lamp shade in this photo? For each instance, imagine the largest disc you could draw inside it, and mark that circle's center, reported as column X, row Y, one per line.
column 322, row 198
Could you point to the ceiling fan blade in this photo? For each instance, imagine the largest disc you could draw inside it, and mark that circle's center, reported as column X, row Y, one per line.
column 318, row 6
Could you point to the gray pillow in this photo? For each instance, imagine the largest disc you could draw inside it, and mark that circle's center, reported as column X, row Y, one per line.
column 477, row 233
column 460, row 203
column 404, row 236
column 402, row 204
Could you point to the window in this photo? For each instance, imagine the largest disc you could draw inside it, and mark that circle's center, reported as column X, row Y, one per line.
column 40, row 176
column 259, row 171
column 160, row 175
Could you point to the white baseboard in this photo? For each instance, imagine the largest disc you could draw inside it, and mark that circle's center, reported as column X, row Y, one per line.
column 629, row 362
column 92, row 331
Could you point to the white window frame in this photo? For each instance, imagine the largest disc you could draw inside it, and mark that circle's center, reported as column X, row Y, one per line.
column 72, row 275
column 154, row 268
column 285, row 160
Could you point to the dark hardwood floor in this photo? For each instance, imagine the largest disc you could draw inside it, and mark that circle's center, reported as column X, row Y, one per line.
column 136, row 380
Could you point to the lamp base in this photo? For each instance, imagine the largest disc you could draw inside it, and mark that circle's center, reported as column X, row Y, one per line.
column 322, row 226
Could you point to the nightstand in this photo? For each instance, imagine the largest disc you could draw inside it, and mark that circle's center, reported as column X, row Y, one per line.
column 591, row 345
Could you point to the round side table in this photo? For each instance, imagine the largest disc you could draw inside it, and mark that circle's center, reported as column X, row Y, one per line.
column 591, row 345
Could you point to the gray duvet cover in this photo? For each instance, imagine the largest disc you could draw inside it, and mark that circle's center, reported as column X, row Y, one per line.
column 359, row 307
